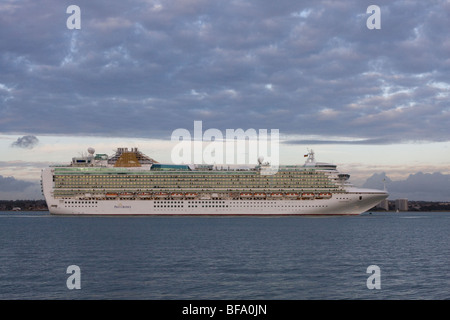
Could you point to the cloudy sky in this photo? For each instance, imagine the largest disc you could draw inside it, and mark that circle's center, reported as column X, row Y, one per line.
column 370, row 100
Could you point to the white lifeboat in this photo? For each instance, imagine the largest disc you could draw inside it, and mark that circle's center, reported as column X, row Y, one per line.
column 259, row 195
column 176, row 195
column 292, row 195
column 276, row 195
column 325, row 195
column 111, row 195
column 246, row 195
column 127, row 194
column 144, row 195
column 160, row 195
column 190, row 195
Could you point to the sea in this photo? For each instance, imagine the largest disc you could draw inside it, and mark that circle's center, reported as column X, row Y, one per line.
column 374, row 256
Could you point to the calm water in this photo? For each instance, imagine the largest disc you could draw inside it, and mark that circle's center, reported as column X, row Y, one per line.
column 225, row 258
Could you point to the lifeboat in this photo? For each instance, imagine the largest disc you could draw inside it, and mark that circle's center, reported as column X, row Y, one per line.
column 246, row 195
column 276, row 195
column 111, row 195
column 190, row 195
column 324, row 195
column 144, row 195
column 292, row 195
column 176, row 195
column 260, row 195
column 161, row 195
column 127, row 194
column 308, row 195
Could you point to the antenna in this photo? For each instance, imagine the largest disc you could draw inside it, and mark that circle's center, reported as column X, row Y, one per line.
column 310, row 156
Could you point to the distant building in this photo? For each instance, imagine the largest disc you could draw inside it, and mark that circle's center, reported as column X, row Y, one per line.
column 16, row 209
column 384, row 204
column 401, row 204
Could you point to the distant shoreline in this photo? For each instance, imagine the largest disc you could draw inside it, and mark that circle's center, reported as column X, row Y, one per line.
column 24, row 205
column 414, row 206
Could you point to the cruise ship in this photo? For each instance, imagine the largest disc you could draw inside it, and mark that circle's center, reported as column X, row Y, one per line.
column 131, row 183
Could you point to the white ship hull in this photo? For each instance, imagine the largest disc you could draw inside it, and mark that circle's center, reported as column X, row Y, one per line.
column 210, row 208
column 352, row 203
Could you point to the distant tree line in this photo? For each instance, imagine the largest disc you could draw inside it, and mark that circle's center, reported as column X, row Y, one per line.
column 26, row 205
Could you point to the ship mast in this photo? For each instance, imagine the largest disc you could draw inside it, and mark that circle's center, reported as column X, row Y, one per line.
column 311, row 159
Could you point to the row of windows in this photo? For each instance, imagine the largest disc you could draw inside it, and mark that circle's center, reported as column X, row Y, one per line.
column 195, row 178
column 188, row 182
column 190, row 186
column 93, row 196
column 80, row 206
column 80, row 202
column 191, row 174
column 200, row 203
column 206, row 206
column 192, row 182
column 238, row 206
column 257, row 179
column 145, row 179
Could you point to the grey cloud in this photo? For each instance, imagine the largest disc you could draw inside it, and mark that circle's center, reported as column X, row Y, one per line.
column 27, row 142
column 378, row 141
column 25, row 164
column 419, row 186
column 10, row 184
column 139, row 68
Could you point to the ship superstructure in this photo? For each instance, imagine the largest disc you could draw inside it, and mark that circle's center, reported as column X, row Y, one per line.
column 131, row 183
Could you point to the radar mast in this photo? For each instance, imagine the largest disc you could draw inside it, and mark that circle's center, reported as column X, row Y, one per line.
column 311, row 160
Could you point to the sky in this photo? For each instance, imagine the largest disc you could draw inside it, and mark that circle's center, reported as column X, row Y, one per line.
column 370, row 100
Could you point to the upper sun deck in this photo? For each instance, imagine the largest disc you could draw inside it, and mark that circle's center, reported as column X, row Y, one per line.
column 135, row 161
